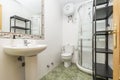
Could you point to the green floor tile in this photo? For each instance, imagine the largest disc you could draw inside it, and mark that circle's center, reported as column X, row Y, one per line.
column 71, row 73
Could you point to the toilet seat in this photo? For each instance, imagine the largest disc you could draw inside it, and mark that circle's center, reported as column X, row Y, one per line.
column 66, row 54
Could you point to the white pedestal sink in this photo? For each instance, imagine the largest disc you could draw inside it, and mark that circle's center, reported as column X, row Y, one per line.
column 29, row 52
column 24, row 50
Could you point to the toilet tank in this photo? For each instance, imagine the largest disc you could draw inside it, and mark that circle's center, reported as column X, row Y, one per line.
column 68, row 48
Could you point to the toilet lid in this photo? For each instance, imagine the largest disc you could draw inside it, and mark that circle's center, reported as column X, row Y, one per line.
column 66, row 54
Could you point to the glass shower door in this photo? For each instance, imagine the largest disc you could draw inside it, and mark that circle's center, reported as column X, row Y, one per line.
column 85, row 36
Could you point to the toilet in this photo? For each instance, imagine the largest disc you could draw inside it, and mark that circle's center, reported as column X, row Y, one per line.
column 67, row 53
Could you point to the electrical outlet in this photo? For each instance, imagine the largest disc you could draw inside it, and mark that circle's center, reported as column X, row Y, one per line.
column 52, row 63
column 48, row 66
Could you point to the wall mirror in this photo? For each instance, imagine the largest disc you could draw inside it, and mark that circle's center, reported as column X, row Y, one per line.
column 22, row 16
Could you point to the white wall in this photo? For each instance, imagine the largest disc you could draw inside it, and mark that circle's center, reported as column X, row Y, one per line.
column 53, row 37
column 70, row 33
column 10, row 67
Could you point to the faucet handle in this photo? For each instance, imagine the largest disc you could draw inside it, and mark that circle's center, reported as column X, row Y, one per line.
column 25, row 40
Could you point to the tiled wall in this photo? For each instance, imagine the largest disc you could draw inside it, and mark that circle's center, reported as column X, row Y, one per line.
column 9, row 35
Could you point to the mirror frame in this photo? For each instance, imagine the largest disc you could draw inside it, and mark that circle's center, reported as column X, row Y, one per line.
column 42, row 20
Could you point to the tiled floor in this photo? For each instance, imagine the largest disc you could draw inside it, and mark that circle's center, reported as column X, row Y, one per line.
column 71, row 73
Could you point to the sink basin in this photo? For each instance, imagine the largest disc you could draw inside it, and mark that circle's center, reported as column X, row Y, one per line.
column 24, row 50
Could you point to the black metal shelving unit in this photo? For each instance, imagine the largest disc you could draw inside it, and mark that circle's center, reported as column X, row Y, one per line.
column 14, row 26
column 101, row 71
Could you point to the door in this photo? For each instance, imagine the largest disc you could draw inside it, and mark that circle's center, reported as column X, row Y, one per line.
column 116, row 36
column 0, row 17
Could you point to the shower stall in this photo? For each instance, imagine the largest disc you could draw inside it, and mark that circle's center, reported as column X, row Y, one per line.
column 84, row 11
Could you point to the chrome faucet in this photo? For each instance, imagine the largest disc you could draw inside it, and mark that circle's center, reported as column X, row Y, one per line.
column 26, row 42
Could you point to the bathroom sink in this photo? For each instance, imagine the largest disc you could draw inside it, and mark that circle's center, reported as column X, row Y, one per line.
column 24, row 50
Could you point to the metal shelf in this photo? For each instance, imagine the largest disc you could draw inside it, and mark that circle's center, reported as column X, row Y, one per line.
column 22, row 28
column 19, row 18
column 100, row 2
column 103, row 13
column 103, row 71
column 100, row 79
column 13, row 24
column 102, row 50
column 105, row 32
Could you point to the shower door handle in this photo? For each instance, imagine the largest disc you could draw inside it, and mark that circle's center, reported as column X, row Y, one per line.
column 115, row 36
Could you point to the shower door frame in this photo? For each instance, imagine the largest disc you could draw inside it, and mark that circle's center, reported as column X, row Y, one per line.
column 80, row 52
